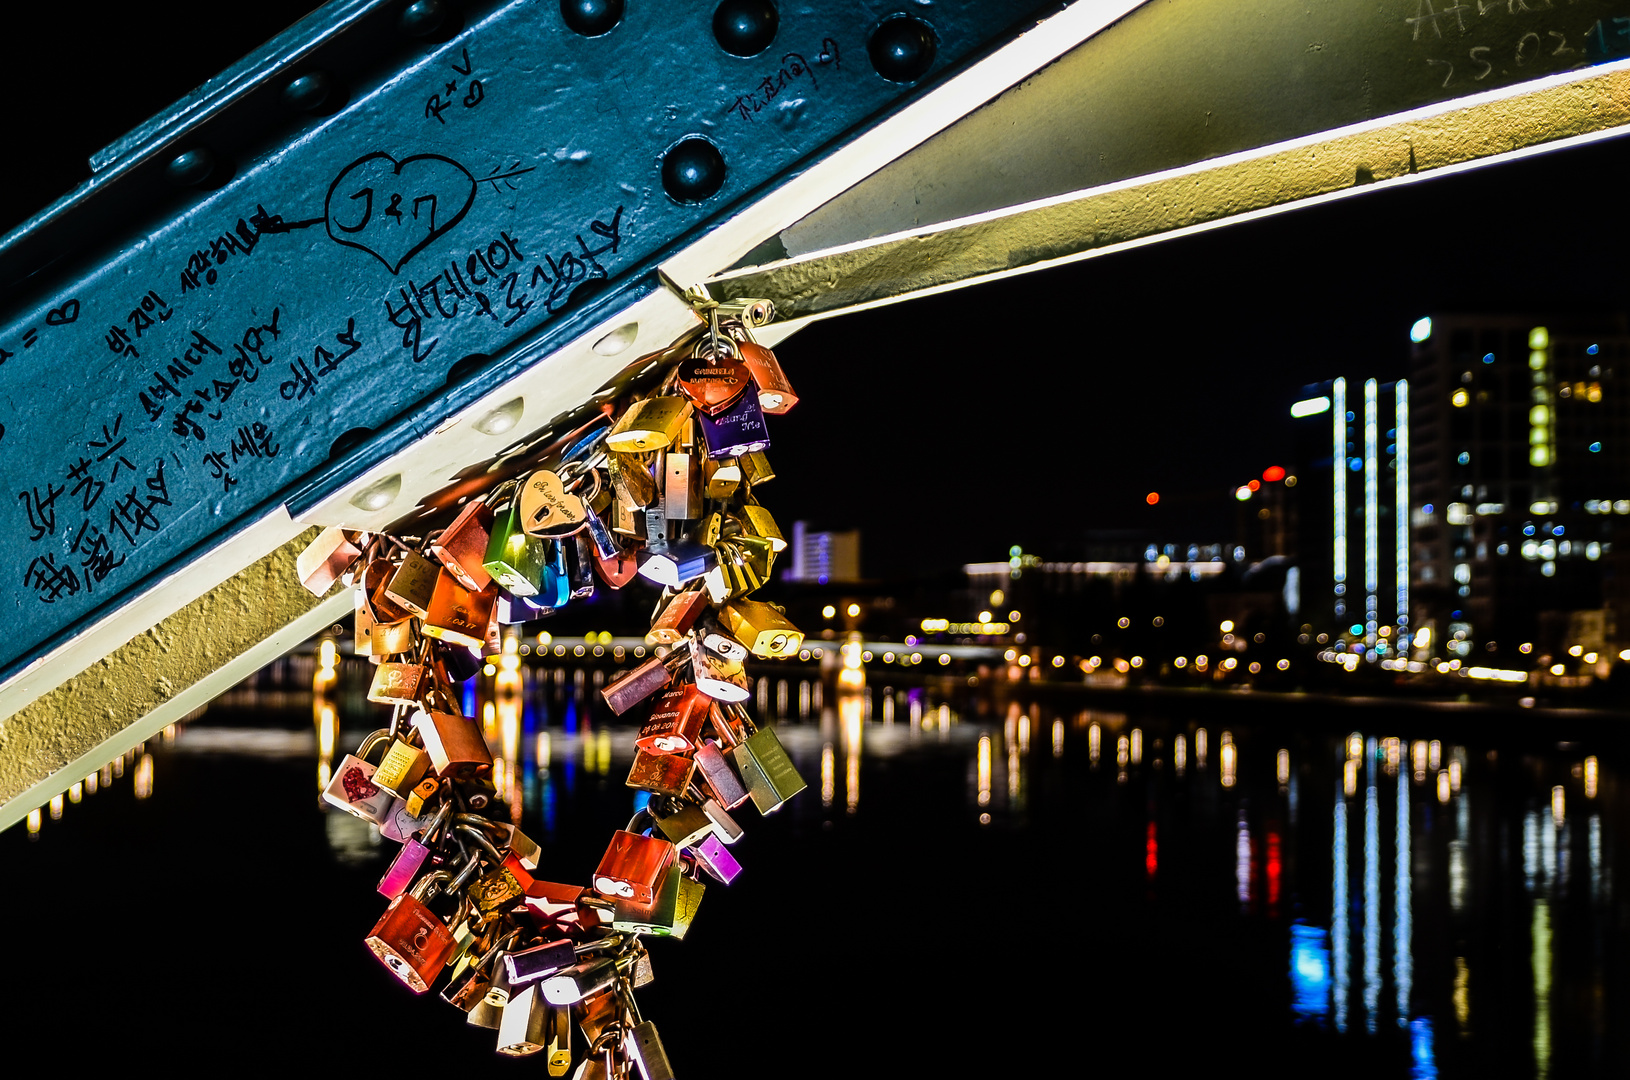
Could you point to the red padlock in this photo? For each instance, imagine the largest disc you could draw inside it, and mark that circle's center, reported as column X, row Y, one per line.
column 409, row 938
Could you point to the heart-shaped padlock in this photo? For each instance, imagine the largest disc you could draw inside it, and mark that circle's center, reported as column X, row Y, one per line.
column 714, row 377
column 548, row 509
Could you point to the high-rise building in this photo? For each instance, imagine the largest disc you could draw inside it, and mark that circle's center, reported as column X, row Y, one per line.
column 1353, row 439
column 1520, row 477
column 823, row 557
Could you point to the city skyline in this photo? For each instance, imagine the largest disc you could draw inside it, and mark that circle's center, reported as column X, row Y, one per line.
column 1034, row 410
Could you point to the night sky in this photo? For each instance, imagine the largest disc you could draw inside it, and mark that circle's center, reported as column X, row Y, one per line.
column 1036, row 409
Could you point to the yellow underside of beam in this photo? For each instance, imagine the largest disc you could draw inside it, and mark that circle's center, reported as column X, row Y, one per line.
column 159, row 676
column 1050, row 232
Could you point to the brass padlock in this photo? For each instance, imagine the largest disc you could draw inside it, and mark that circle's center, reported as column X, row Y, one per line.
column 396, row 682
column 717, row 677
column 651, row 424
column 722, row 476
column 770, row 775
column 631, row 480
column 548, row 508
column 766, row 631
column 660, row 774
column 402, row 768
column 413, row 583
column 362, row 625
column 756, row 521
column 755, row 469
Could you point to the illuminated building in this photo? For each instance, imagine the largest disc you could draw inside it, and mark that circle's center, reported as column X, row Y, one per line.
column 1521, row 451
column 823, row 557
column 1354, row 443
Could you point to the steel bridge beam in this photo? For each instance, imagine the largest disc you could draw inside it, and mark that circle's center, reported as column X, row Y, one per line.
column 1021, row 145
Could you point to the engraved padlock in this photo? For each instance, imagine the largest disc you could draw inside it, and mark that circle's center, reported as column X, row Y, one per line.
column 396, row 683
column 712, row 378
column 738, row 430
column 548, row 507
column 769, row 773
column 413, row 583
column 632, row 866
column 660, row 774
column 402, row 768
column 458, row 615
column 352, row 787
column 410, row 939
column 675, row 723
column 462, row 546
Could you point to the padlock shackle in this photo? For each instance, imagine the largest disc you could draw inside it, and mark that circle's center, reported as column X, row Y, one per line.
column 480, row 838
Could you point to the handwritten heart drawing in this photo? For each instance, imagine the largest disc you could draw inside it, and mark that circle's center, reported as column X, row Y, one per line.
column 391, row 209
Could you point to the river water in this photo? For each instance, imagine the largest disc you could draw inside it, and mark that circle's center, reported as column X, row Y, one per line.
column 979, row 880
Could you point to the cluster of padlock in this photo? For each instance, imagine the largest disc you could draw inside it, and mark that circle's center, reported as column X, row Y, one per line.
column 663, row 488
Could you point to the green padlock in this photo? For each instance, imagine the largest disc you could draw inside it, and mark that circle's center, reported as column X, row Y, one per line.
column 768, row 771
column 514, row 559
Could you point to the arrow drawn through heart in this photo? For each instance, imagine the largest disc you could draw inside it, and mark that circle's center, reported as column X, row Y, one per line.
column 392, row 209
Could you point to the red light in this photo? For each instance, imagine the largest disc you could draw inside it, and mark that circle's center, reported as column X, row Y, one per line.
column 1254, row 485
column 1151, row 851
column 1152, row 498
column 1273, row 474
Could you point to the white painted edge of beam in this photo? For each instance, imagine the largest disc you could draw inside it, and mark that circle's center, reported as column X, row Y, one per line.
column 192, row 697
column 153, row 605
column 1290, row 146
column 916, row 123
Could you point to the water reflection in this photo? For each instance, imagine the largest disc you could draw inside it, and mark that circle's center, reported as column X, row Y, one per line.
column 1403, row 830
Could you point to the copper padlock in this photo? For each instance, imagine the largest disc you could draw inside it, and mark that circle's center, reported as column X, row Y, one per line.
column 454, row 743
column 462, row 546
column 326, row 558
column 409, row 939
column 675, row 723
column 632, row 866
column 459, row 615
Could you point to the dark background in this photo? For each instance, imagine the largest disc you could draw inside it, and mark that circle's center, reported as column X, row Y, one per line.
column 1028, row 411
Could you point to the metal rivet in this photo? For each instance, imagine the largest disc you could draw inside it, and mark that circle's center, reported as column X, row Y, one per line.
column 308, row 92
column 902, row 48
column 501, row 419
column 191, row 167
column 423, row 18
column 591, row 18
column 692, row 170
column 618, row 340
column 378, row 495
column 745, row 27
